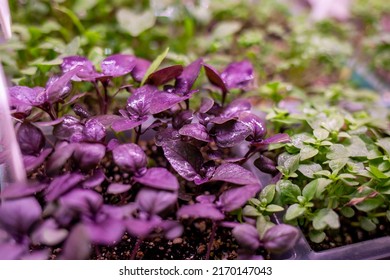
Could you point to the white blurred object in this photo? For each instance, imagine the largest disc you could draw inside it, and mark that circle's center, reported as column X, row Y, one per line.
column 323, row 9
column 12, row 168
column 5, row 19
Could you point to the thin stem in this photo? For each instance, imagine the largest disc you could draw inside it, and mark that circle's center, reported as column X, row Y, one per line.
column 99, row 94
column 106, row 100
column 211, row 241
column 136, row 248
column 138, row 133
column 223, row 98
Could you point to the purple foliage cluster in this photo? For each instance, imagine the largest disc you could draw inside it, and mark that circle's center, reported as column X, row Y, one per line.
column 167, row 150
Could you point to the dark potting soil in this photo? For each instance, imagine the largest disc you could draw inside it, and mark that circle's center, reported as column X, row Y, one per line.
column 349, row 234
column 192, row 245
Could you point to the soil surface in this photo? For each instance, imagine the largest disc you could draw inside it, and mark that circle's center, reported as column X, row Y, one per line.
column 349, row 234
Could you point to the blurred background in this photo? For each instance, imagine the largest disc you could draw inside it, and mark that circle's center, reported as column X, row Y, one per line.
column 304, row 42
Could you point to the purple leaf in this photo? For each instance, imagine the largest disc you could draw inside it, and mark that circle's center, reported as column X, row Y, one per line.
column 237, row 197
column 159, row 178
column 140, row 68
column 95, row 180
column 94, row 131
column 215, row 78
column 233, row 111
column 185, row 158
column 155, row 202
column 256, row 124
column 200, row 210
column 36, row 255
column 230, row 133
column 33, row 162
column 87, row 202
column 162, row 76
column 206, row 104
column 88, row 156
column 162, row 101
column 61, row 185
column 77, row 245
column 62, row 152
column 187, row 78
column 116, row 188
column 18, row 216
column 138, row 104
column 124, row 124
column 233, row 173
column 112, row 144
column 238, row 74
column 49, row 233
column 70, row 129
column 12, row 251
column 278, row 138
column 172, row 229
column 119, row 212
column 30, row 139
column 18, row 190
column 106, row 232
column 130, row 157
column 206, row 199
column 86, row 68
column 182, row 118
column 247, row 236
column 141, row 228
column 167, row 135
column 195, row 130
column 266, row 165
column 21, row 95
column 118, row 65
column 59, row 87
column 106, row 120
column 280, row 238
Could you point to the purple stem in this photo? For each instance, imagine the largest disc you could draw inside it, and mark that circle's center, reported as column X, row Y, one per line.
column 211, row 241
column 136, row 248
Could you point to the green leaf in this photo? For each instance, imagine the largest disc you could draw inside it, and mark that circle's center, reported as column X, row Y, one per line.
column 272, row 208
column 250, row 211
column 226, row 28
column 367, row 224
column 308, row 170
column 370, row 204
column 384, row 143
column 347, row 212
column 298, row 140
column 357, row 148
column 388, row 215
column 74, row 18
column 292, row 163
column 135, row 22
column 334, row 123
column 288, row 191
column 310, row 190
column 255, row 201
column 262, row 225
column 337, row 151
column 376, row 172
column 326, row 218
column 317, row 236
column 343, row 134
column 73, row 47
column 337, row 164
column 268, row 193
column 294, row 211
column 307, row 152
column 320, row 133
column 155, row 64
